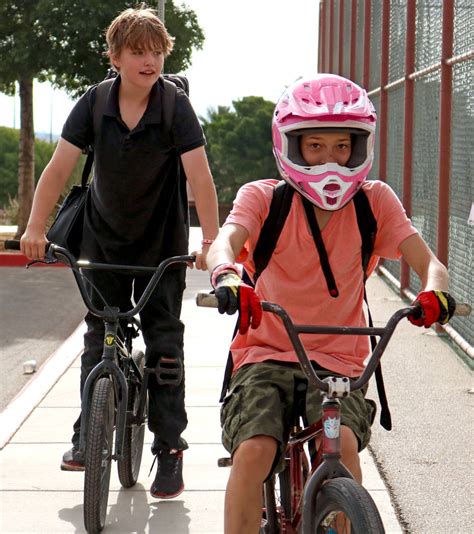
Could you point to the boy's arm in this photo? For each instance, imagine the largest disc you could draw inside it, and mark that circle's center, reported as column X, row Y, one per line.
column 227, row 246
column 200, row 180
column 50, row 185
column 433, row 274
column 231, row 293
column 437, row 304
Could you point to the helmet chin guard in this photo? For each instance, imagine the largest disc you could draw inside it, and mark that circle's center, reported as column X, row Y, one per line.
column 328, row 103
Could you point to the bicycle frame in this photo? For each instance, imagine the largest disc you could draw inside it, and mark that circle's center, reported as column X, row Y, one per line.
column 327, row 464
column 111, row 316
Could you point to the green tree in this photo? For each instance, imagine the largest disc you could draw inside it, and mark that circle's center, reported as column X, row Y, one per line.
column 240, row 144
column 9, row 139
column 63, row 41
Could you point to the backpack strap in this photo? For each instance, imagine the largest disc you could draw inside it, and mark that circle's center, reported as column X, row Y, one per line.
column 368, row 229
column 101, row 95
column 266, row 243
column 272, row 227
column 318, row 241
column 168, row 102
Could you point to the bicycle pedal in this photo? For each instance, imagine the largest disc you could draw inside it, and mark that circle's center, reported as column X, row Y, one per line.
column 224, row 462
column 169, row 371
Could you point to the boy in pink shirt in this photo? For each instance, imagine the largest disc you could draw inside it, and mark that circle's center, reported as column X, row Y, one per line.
column 323, row 139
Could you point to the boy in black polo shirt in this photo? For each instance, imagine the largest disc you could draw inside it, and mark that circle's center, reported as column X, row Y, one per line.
column 136, row 213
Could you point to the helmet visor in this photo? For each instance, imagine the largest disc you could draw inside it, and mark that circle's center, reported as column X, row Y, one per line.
column 361, row 149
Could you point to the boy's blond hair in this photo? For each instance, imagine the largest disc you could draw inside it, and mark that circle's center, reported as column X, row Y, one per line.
column 138, row 28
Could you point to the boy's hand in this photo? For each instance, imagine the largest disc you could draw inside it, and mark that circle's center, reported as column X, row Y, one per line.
column 33, row 244
column 232, row 295
column 201, row 256
column 436, row 307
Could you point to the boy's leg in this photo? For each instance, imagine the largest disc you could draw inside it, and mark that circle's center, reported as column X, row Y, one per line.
column 163, row 335
column 254, row 418
column 350, row 453
column 116, row 291
column 251, row 464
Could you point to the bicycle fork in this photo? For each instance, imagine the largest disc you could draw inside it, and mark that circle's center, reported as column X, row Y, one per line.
column 106, row 367
column 331, row 466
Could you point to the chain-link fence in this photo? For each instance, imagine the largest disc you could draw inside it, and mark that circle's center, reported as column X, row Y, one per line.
column 416, row 59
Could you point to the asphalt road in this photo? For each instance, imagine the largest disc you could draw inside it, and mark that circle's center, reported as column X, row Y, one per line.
column 40, row 307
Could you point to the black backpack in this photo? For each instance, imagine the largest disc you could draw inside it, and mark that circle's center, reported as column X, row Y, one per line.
column 267, row 240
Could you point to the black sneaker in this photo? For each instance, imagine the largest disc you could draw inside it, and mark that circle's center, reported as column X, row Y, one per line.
column 169, row 475
column 71, row 461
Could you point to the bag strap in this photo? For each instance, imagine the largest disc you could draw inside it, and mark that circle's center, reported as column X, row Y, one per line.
column 101, row 95
column 272, row 227
column 368, row 229
column 266, row 243
column 168, row 102
column 318, row 241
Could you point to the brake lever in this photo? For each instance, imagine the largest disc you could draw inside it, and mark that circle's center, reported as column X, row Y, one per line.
column 45, row 261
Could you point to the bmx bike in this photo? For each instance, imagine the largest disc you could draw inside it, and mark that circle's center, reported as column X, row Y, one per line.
column 315, row 493
column 114, row 398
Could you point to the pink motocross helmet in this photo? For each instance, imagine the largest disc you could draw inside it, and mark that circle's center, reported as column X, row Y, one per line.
column 326, row 103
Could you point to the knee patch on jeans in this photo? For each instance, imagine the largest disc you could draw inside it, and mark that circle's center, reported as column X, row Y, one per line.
column 169, row 371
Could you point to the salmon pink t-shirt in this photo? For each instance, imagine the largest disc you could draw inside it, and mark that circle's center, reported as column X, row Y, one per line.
column 294, row 279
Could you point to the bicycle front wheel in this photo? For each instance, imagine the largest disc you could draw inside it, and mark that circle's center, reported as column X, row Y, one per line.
column 99, row 449
column 129, row 467
column 343, row 505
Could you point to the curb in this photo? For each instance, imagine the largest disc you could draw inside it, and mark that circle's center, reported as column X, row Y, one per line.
column 36, row 389
column 16, row 259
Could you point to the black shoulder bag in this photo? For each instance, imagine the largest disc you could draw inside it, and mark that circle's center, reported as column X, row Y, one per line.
column 66, row 230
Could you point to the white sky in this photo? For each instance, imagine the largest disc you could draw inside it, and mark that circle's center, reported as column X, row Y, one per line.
column 252, row 48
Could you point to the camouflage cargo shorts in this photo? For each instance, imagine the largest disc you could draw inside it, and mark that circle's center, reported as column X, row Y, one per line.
column 260, row 402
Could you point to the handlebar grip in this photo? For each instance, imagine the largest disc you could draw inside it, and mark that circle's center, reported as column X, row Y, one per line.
column 206, row 300
column 12, row 244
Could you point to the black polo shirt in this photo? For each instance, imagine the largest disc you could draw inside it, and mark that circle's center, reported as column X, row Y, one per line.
column 136, row 211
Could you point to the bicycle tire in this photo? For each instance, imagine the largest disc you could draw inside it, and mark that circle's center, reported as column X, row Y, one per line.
column 344, row 495
column 129, row 467
column 98, row 459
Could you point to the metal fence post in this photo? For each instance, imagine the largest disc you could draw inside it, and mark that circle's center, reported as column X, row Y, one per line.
column 322, row 36
column 331, row 7
column 445, row 131
column 341, row 40
column 383, row 121
column 352, row 70
column 367, row 17
column 408, row 126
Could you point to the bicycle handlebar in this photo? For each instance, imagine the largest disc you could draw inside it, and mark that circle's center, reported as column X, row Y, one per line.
column 294, row 330
column 59, row 253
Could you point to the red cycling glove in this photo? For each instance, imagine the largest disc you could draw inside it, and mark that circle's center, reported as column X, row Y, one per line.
column 232, row 295
column 436, row 307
